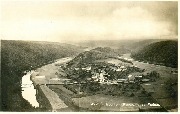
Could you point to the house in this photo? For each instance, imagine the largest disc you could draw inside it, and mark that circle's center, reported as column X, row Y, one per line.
column 101, row 77
column 118, row 69
column 113, row 68
column 54, row 79
column 76, row 68
column 130, row 59
column 88, row 79
column 131, row 81
column 102, row 71
column 131, row 78
column 121, row 80
column 83, row 68
column 122, row 67
column 95, row 77
column 88, row 68
column 114, row 82
column 145, row 80
column 138, row 77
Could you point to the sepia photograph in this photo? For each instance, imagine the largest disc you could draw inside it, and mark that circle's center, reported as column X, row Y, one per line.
column 89, row 56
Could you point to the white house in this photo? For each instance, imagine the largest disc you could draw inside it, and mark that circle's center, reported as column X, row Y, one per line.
column 88, row 68
column 131, row 78
column 101, row 77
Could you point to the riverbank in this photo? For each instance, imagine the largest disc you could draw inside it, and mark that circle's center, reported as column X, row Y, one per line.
column 12, row 99
column 45, row 75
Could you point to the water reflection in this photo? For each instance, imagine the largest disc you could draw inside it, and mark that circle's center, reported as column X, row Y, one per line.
column 28, row 91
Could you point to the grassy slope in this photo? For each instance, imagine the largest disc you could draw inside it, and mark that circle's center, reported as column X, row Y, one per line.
column 18, row 56
column 164, row 52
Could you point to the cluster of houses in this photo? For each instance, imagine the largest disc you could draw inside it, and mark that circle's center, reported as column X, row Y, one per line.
column 119, row 68
column 99, row 74
column 99, row 77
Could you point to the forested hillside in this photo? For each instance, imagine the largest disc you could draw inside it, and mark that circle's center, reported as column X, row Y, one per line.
column 93, row 55
column 18, row 56
column 163, row 52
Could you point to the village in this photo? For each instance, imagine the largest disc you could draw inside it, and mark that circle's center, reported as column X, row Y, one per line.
column 101, row 79
column 116, row 80
column 106, row 78
column 108, row 73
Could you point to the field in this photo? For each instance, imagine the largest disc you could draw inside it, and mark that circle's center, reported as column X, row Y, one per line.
column 102, row 102
column 165, row 88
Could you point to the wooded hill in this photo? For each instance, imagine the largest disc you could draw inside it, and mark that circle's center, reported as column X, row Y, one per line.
column 93, row 55
column 163, row 53
column 19, row 56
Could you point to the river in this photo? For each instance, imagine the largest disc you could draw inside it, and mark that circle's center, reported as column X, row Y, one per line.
column 28, row 91
column 163, row 70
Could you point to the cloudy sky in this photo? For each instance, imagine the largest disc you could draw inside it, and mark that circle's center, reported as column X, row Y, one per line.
column 60, row 21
